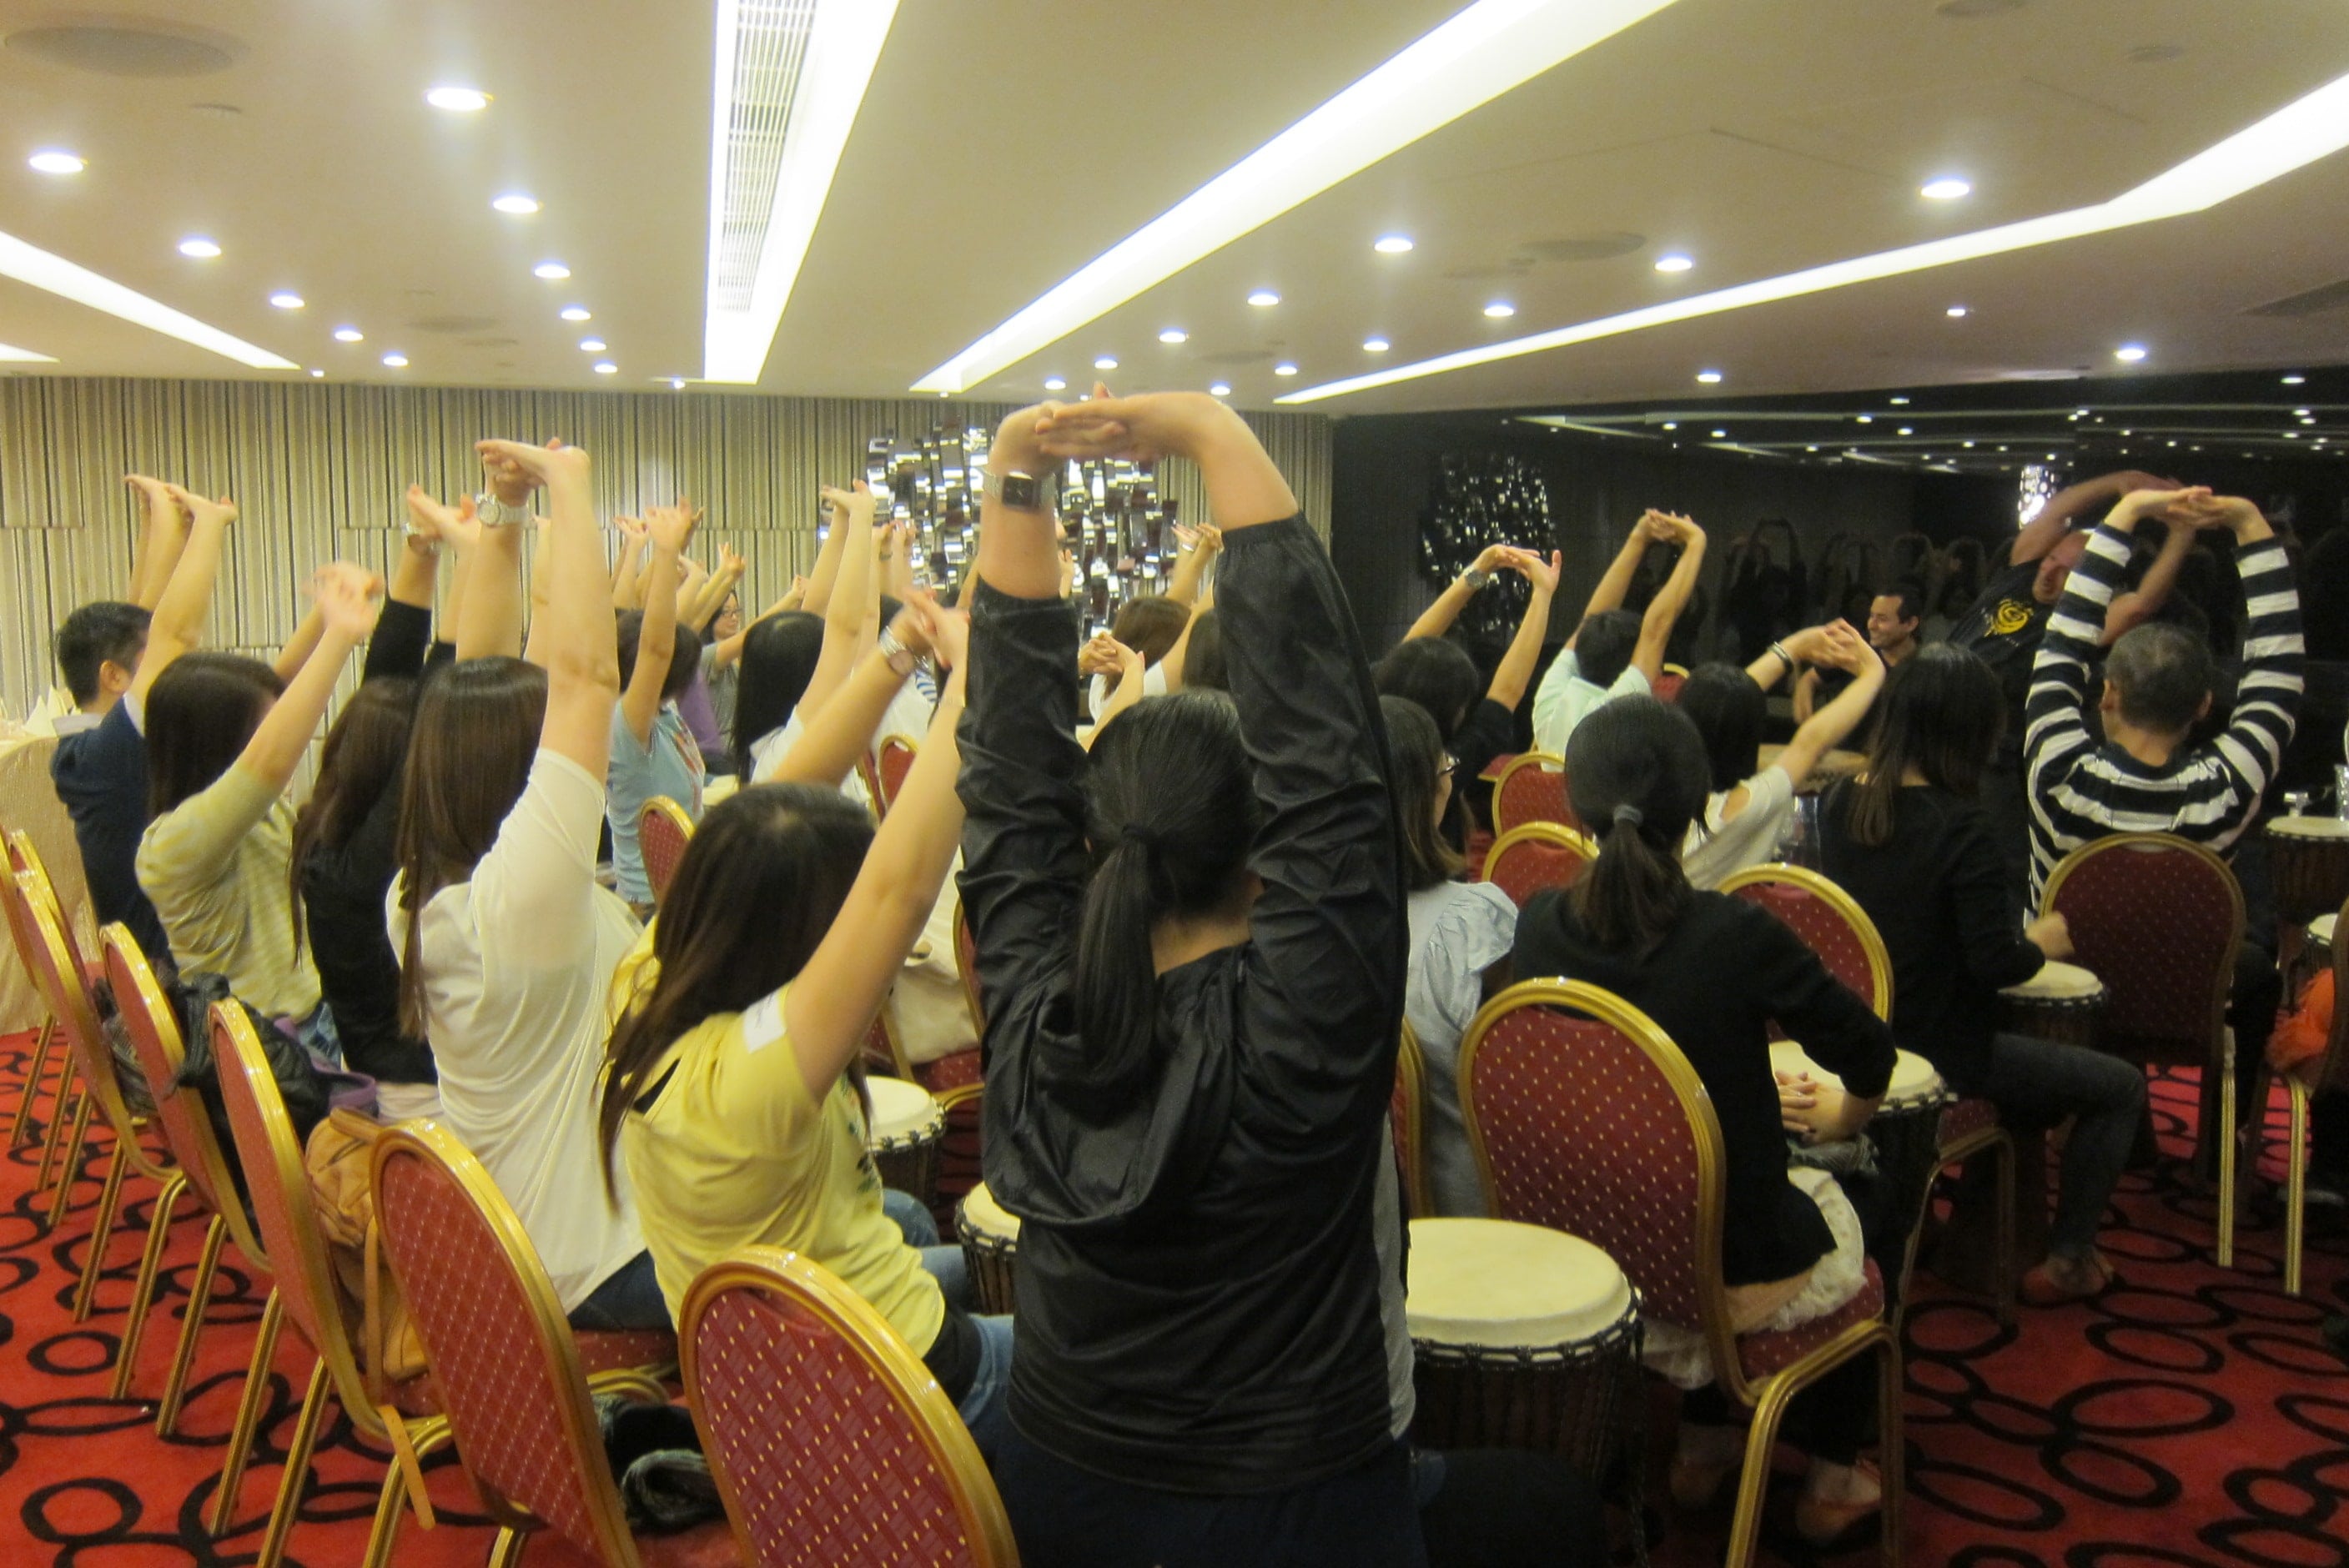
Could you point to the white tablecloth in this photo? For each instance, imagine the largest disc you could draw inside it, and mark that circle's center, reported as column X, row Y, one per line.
column 28, row 801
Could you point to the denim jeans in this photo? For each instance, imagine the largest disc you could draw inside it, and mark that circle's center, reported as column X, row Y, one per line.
column 2036, row 1084
column 981, row 1404
column 920, row 1228
column 630, row 1297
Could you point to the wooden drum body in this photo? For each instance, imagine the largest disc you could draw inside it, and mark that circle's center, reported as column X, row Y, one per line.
column 990, row 1245
column 1525, row 1337
column 907, row 1123
column 1906, row 1130
column 2310, row 857
column 2063, row 1003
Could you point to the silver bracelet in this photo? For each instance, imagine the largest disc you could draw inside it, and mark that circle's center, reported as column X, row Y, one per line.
column 1785, row 657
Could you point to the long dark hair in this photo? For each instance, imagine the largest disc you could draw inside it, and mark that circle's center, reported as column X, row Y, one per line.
column 1635, row 768
column 778, row 655
column 1170, row 811
column 1202, row 655
column 1730, row 714
column 1149, row 624
column 199, row 713
column 362, row 758
column 1415, row 764
column 469, row 757
column 1943, row 712
column 788, row 852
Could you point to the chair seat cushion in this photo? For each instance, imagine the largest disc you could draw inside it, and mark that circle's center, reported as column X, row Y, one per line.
column 1967, row 1118
column 950, row 1071
column 649, row 1347
column 1761, row 1355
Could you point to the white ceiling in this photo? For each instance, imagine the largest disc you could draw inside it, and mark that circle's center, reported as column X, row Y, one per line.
column 1003, row 145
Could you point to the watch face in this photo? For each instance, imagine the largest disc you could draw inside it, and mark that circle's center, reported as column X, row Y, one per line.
column 1020, row 490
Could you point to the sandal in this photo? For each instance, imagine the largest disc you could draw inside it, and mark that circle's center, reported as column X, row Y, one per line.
column 2041, row 1287
column 1830, row 1526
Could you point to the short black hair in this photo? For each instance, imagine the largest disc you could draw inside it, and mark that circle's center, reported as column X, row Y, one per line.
column 1434, row 672
column 1731, row 714
column 1604, row 646
column 105, row 630
column 1909, row 601
column 2163, row 674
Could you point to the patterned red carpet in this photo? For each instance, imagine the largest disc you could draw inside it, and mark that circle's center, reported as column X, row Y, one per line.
column 2190, row 1419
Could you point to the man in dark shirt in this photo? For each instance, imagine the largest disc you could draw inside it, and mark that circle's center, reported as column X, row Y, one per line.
column 1893, row 621
column 2007, row 622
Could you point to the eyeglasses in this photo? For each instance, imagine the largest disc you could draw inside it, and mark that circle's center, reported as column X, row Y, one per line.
column 1449, row 765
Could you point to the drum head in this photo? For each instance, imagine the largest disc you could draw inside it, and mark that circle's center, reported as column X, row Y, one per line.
column 983, row 1214
column 2309, row 828
column 2058, row 982
column 1786, row 1056
column 2320, row 930
column 1498, row 1282
column 900, row 1108
column 1913, row 1079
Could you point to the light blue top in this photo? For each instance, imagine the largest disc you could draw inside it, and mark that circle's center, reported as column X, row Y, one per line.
column 1458, row 930
column 1565, row 700
column 669, row 764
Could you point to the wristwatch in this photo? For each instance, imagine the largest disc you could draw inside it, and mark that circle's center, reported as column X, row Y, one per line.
column 901, row 659
column 1475, row 577
column 495, row 513
column 419, row 540
column 1021, row 492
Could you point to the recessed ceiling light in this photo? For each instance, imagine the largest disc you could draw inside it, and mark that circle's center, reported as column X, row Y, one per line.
column 2301, row 413
column 1969, row 443
column 54, row 160
column 458, row 100
column 677, row 382
column 396, row 361
column 1471, row 59
column 515, row 202
column 1709, row 377
column 1672, row 424
column 605, row 368
column 552, row 271
column 1955, row 311
column 1908, row 430
column 1106, row 362
column 1675, row 262
column 349, row 334
column 577, row 312
column 1375, row 346
column 2310, row 127
column 1264, row 298
column 287, row 299
column 1945, row 188
column 1899, row 400
column 2291, row 434
column 2294, row 380
column 1284, row 368
column 1053, row 384
column 2129, row 353
column 1717, row 435
column 593, row 344
column 1220, row 389
column 2303, row 421
column 1173, row 334
column 1865, row 419
column 198, row 247
column 1810, row 448
column 1392, row 245
column 314, row 371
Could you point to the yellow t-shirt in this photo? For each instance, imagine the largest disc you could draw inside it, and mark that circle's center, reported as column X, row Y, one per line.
column 215, row 866
column 735, row 1152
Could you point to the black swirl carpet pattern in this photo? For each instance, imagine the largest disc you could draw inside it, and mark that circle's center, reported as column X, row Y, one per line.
column 2193, row 1418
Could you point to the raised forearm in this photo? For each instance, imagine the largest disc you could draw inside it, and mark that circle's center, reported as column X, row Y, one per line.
column 491, row 625
column 415, row 572
column 277, row 746
column 1615, row 583
column 1439, row 617
column 300, row 645
column 627, row 573
column 1516, row 671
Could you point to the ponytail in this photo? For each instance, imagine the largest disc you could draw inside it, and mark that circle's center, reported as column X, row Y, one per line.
column 1117, row 982
column 1630, row 898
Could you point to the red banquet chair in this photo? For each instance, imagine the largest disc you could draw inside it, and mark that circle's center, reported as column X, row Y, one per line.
column 1407, row 1115
column 1531, row 789
column 1833, row 926
column 893, row 759
column 511, row 1376
column 1539, row 855
column 2158, row 921
column 45, row 1039
column 831, row 1443
column 1556, row 1102
column 663, row 830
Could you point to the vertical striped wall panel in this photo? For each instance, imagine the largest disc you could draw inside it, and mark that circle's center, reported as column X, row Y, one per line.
column 319, row 472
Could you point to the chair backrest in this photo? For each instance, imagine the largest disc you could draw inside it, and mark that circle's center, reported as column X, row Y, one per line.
column 153, row 1026
column 1539, row 855
column 892, row 761
column 283, row 1209
column 503, row 1360
column 1585, row 1117
column 663, row 830
column 1666, row 687
column 830, row 1441
column 1531, row 789
column 967, row 970
column 2157, row 920
column 25, row 861
column 1407, row 1116
column 1830, row 922
column 47, row 950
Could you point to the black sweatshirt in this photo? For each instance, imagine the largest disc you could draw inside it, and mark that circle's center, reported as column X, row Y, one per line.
column 1199, row 1283
column 1941, row 897
column 1726, row 971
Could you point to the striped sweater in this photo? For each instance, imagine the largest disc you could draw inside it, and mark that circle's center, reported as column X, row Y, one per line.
column 2208, row 793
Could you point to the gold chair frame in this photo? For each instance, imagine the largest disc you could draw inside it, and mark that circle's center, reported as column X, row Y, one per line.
column 23, row 859
column 1411, row 1077
column 1549, row 761
column 1557, row 835
column 672, row 814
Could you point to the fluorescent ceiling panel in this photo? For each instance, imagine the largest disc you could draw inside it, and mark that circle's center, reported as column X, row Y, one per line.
column 25, row 356
column 2297, row 135
column 30, row 264
column 790, row 77
column 1485, row 51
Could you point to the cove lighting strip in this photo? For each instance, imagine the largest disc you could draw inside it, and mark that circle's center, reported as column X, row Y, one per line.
column 25, row 356
column 1485, row 51
column 2299, row 134
column 791, row 75
column 30, row 264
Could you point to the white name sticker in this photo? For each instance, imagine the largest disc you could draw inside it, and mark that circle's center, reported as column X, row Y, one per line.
column 762, row 1022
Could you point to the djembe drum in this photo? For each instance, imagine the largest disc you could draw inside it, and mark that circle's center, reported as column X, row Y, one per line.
column 907, row 1123
column 2309, row 857
column 990, row 1245
column 1906, row 1129
column 2063, row 1003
